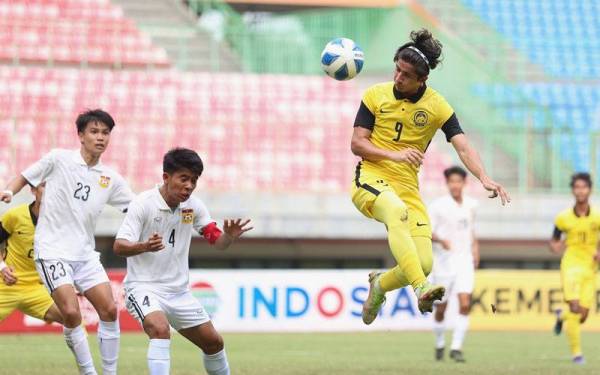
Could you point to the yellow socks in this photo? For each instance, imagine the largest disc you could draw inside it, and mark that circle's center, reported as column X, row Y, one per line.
column 573, row 331
column 390, row 210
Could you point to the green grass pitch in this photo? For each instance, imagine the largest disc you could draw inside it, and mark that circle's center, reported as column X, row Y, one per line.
column 320, row 353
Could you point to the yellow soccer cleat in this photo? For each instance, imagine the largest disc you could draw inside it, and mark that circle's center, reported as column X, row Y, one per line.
column 427, row 294
column 376, row 298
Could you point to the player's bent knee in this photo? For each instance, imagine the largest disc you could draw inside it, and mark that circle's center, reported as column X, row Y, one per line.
column 158, row 330
column 214, row 345
column 108, row 314
column 71, row 317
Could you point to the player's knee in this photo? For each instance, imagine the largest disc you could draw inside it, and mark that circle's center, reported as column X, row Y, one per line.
column 71, row 317
column 108, row 314
column 574, row 308
column 214, row 345
column 584, row 316
column 464, row 309
column 159, row 330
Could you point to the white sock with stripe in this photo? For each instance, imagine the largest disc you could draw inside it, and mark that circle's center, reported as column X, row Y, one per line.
column 77, row 342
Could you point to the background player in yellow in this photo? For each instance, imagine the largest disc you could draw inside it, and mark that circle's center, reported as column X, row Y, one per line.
column 579, row 262
column 22, row 289
column 393, row 128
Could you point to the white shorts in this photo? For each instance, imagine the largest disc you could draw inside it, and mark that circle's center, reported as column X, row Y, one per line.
column 463, row 281
column 83, row 275
column 183, row 310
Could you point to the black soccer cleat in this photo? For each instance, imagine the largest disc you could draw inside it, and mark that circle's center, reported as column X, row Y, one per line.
column 457, row 356
column 559, row 322
column 439, row 354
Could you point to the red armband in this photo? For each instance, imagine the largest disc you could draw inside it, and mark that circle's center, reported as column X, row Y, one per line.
column 212, row 233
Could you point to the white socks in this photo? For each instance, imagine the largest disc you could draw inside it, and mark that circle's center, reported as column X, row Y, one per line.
column 216, row 364
column 439, row 331
column 460, row 330
column 108, row 341
column 77, row 342
column 159, row 356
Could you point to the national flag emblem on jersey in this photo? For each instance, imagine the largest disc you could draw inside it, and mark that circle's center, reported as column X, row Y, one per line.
column 187, row 215
column 104, row 181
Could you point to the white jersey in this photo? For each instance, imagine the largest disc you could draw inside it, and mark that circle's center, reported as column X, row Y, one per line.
column 73, row 200
column 453, row 222
column 166, row 270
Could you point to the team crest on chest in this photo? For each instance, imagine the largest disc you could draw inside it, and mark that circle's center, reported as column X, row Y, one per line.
column 104, row 181
column 420, row 118
column 187, row 216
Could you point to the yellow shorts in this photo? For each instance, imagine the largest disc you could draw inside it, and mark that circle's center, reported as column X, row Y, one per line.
column 366, row 187
column 579, row 283
column 32, row 300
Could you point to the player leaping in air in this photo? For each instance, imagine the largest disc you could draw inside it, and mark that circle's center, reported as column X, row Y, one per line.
column 394, row 125
column 579, row 263
column 155, row 237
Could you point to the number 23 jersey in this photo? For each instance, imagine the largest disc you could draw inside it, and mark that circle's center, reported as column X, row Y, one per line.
column 74, row 198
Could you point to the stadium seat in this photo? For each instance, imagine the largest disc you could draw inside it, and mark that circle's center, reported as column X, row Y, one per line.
column 255, row 132
column 69, row 31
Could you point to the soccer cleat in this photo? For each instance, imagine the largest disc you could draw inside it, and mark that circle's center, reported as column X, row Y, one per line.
column 439, row 354
column 457, row 356
column 559, row 322
column 579, row 360
column 427, row 294
column 373, row 303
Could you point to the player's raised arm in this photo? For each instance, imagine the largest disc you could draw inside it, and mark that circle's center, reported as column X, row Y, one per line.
column 232, row 230
column 470, row 158
column 12, row 188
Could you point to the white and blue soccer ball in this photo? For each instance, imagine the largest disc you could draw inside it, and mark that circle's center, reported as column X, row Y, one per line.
column 342, row 59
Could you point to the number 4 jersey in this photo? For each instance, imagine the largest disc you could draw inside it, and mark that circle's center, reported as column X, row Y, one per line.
column 74, row 197
column 166, row 270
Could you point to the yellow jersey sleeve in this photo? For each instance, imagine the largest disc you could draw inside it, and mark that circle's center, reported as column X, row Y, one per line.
column 443, row 110
column 370, row 99
column 559, row 222
column 8, row 222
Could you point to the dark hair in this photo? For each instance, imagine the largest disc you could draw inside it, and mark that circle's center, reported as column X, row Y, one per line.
column 182, row 158
column 428, row 45
column 94, row 115
column 583, row 176
column 455, row 170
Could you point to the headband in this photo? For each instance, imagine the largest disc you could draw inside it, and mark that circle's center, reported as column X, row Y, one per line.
column 420, row 54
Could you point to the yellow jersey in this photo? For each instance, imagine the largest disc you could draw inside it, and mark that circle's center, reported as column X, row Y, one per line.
column 17, row 227
column 398, row 122
column 581, row 236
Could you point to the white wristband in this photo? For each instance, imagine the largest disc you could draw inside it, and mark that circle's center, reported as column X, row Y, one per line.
column 9, row 192
column 2, row 265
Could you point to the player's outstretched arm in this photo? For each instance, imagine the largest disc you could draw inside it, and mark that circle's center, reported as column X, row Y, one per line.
column 470, row 158
column 125, row 248
column 362, row 146
column 232, row 230
column 13, row 188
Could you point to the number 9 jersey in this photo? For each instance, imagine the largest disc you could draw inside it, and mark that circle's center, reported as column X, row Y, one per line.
column 398, row 122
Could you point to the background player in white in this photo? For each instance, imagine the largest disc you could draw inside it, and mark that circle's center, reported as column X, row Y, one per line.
column 456, row 255
column 155, row 236
column 78, row 187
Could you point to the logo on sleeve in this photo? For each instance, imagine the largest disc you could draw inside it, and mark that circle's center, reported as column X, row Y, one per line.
column 104, row 181
column 420, row 118
column 187, row 216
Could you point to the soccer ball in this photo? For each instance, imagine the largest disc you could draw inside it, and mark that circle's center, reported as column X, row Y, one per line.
column 342, row 59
